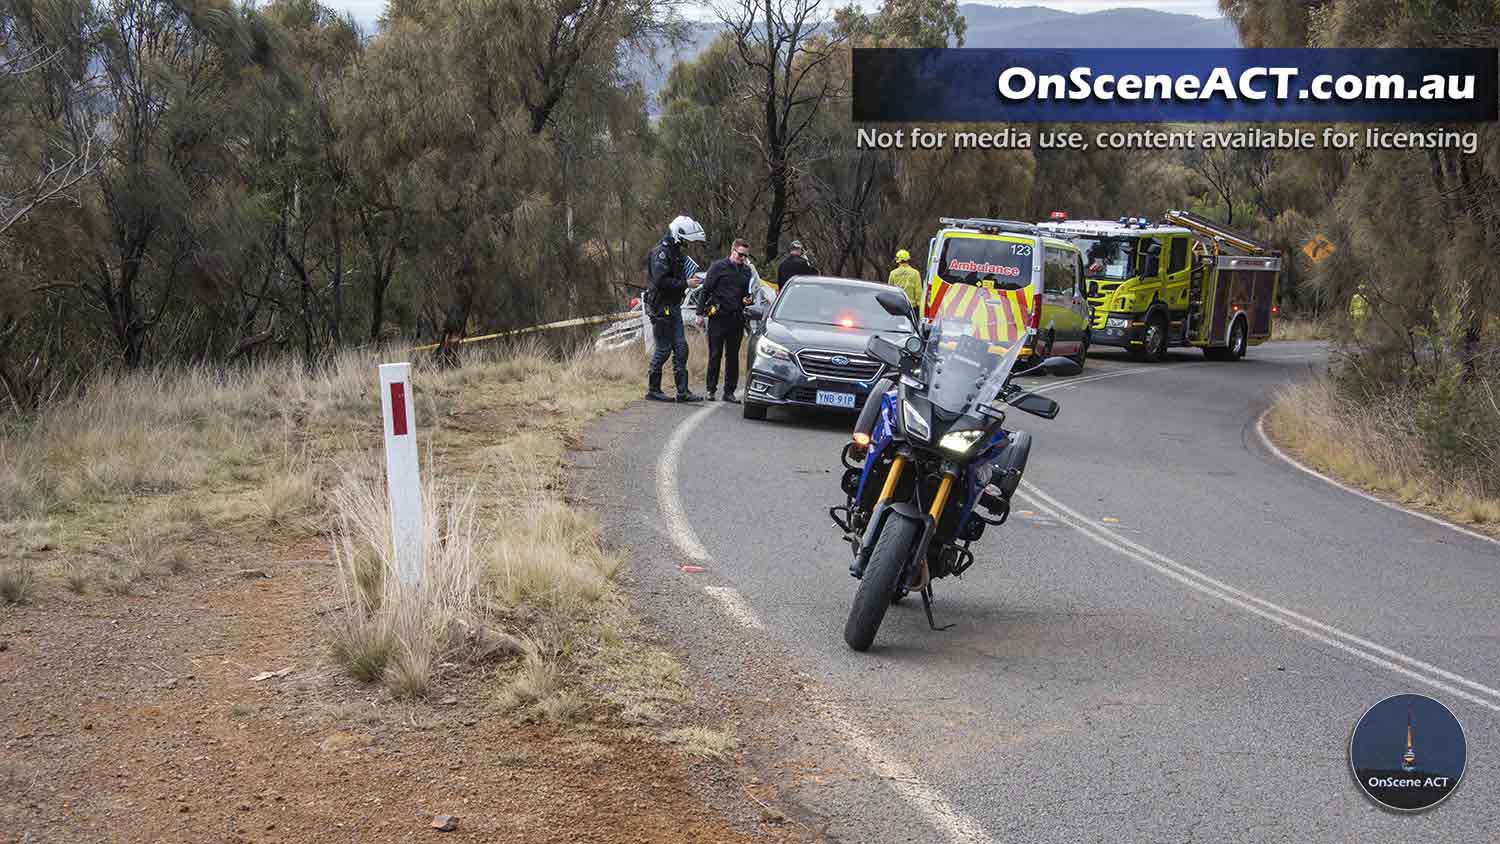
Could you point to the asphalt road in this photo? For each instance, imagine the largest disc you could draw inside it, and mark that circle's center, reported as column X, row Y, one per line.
column 1171, row 640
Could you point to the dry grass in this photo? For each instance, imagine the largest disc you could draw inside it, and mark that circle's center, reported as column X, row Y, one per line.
column 515, row 570
column 1374, row 447
column 1292, row 328
column 515, row 574
column 176, row 454
column 17, row 582
column 702, row 741
column 389, row 631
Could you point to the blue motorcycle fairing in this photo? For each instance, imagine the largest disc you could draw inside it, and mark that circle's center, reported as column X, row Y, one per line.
column 885, row 431
column 973, row 488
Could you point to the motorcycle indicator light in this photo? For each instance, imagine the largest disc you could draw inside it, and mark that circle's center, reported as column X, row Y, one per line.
column 861, row 439
column 846, row 322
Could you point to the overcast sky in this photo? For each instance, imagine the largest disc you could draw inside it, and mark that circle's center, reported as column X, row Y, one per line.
column 366, row 11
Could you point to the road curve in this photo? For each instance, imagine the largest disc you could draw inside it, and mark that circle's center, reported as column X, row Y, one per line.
column 1170, row 641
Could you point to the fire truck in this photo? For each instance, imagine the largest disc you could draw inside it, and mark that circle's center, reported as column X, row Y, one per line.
column 1186, row 281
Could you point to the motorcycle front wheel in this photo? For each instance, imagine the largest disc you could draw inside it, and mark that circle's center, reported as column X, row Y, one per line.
column 892, row 549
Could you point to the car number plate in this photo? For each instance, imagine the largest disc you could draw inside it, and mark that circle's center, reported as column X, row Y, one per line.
column 832, row 399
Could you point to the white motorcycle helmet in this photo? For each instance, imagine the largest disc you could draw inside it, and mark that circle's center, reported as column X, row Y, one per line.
column 686, row 228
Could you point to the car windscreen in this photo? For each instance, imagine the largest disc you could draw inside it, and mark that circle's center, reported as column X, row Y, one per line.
column 972, row 260
column 1108, row 257
column 842, row 305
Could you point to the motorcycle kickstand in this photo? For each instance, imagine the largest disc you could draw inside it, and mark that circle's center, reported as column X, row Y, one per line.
column 927, row 607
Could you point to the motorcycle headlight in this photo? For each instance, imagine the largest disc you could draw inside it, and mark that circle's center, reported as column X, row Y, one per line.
column 959, row 442
column 916, row 423
column 772, row 349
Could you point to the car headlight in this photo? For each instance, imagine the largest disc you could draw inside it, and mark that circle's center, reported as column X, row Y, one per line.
column 916, row 423
column 772, row 349
column 1117, row 322
column 959, row 442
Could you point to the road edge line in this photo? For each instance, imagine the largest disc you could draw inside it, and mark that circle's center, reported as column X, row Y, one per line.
column 667, row 499
column 1260, row 431
column 929, row 803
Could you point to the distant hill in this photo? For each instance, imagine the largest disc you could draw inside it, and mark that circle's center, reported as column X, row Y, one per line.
column 1035, row 26
column 1009, row 26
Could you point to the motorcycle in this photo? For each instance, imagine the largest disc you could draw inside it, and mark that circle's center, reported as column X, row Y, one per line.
column 931, row 465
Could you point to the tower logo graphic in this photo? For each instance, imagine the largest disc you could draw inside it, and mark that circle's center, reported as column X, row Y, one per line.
column 1389, row 769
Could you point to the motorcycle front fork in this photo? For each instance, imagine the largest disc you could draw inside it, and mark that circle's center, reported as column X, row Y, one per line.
column 923, row 580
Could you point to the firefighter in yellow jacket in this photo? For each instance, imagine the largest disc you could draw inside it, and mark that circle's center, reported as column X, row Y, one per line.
column 907, row 278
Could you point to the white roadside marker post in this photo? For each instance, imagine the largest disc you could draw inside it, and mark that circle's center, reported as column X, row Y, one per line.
column 403, row 480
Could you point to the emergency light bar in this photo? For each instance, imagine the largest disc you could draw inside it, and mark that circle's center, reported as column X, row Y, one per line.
column 990, row 226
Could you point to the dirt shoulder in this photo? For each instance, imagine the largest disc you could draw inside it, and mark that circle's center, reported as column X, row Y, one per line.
column 203, row 706
column 140, row 718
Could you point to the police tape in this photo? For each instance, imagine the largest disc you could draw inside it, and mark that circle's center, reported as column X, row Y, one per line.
column 567, row 323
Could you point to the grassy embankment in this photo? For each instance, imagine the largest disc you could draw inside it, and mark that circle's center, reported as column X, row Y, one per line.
column 1438, row 450
column 113, row 491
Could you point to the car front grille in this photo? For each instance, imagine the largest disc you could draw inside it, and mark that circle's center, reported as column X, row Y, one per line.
column 838, row 365
column 806, row 395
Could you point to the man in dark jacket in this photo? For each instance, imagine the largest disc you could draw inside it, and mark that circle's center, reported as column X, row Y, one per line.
column 669, row 283
column 726, row 292
column 793, row 265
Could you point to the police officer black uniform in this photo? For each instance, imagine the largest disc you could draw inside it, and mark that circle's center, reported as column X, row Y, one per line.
column 726, row 290
column 669, row 283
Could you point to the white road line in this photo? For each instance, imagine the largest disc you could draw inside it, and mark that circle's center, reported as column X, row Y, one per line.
column 734, row 606
column 683, row 535
column 1260, row 429
column 1364, row 649
column 955, row 824
column 928, row 803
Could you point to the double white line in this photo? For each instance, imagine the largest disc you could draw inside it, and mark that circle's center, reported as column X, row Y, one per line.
column 1356, row 646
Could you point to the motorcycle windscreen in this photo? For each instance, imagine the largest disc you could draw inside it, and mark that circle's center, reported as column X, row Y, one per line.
column 977, row 335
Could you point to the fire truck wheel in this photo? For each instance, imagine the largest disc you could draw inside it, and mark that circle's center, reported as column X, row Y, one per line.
column 1155, row 346
column 1236, row 347
column 1237, row 340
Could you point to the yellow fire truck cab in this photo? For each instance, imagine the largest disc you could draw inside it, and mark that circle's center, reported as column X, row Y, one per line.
column 1186, row 281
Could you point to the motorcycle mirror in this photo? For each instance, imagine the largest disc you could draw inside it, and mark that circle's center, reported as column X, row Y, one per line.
column 884, row 351
column 1035, row 405
column 894, row 303
column 755, row 312
column 1060, row 366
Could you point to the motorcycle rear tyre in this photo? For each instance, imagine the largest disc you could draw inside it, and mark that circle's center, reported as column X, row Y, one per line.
column 892, row 550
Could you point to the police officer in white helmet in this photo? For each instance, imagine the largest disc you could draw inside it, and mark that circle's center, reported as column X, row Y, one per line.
column 666, row 287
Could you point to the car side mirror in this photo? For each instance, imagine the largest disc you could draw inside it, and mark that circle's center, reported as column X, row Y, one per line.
column 1059, row 365
column 755, row 312
column 1034, row 404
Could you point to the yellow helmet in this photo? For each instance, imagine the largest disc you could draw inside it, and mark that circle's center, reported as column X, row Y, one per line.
column 902, row 255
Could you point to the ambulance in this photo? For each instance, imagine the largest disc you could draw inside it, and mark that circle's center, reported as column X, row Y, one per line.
column 1040, row 275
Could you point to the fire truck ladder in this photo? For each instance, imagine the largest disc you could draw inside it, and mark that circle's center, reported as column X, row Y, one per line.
column 1216, row 232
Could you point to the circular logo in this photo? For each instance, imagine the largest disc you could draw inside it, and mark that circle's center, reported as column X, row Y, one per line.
column 839, row 360
column 1408, row 753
